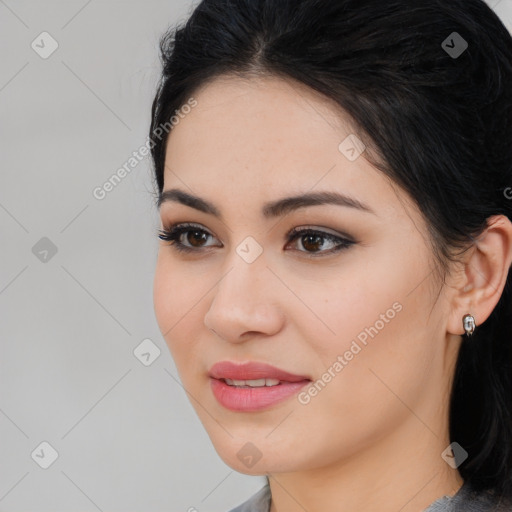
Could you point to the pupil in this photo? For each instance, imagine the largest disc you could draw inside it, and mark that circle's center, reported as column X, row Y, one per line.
column 194, row 234
column 316, row 239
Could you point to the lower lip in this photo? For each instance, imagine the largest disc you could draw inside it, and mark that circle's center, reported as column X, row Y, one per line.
column 253, row 399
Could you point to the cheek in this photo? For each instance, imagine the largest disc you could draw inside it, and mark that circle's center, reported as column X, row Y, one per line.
column 178, row 298
column 380, row 349
column 175, row 292
column 378, row 298
column 162, row 295
column 357, row 299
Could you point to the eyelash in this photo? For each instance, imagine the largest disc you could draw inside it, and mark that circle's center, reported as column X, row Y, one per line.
column 174, row 232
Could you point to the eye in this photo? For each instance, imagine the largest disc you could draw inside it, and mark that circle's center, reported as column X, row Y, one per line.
column 195, row 235
column 315, row 239
column 312, row 240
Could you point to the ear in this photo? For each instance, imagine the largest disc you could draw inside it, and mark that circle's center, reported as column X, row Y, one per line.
column 477, row 288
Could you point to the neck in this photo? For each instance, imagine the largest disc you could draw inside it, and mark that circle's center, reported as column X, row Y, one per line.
column 402, row 472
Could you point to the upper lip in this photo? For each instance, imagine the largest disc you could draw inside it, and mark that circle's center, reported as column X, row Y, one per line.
column 252, row 371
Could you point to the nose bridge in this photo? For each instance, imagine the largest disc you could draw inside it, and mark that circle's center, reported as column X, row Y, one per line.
column 241, row 287
column 246, row 267
column 243, row 299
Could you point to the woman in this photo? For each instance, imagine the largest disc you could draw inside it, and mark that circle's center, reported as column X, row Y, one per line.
column 334, row 186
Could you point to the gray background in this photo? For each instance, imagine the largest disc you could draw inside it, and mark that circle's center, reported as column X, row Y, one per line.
column 126, row 435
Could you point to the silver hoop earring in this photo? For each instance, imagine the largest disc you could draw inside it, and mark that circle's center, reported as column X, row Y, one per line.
column 468, row 322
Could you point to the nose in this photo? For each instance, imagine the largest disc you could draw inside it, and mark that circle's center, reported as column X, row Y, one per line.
column 245, row 302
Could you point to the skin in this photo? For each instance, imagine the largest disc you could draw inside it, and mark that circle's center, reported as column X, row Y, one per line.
column 372, row 438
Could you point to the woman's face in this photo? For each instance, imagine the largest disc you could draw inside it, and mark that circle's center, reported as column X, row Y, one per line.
column 365, row 323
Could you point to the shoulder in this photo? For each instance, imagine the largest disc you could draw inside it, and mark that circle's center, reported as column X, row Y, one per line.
column 258, row 502
column 470, row 500
column 466, row 500
column 486, row 501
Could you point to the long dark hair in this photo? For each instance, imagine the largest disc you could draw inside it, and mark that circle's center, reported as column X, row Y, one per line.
column 437, row 118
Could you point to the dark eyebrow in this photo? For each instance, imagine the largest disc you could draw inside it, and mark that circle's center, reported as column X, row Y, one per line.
column 271, row 209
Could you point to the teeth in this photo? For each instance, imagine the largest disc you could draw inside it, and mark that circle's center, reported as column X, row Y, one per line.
column 256, row 383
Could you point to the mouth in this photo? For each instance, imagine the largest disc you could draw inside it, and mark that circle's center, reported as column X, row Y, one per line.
column 255, row 383
column 253, row 386
column 252, row 373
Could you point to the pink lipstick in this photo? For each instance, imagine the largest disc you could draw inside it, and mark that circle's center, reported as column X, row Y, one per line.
column 266, row 386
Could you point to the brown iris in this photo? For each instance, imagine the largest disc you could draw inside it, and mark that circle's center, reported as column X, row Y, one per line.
column 313, row 241
column 196, row 235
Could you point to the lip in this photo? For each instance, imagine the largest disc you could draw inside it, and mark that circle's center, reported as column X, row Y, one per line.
column 252, row 370
column 246, row 399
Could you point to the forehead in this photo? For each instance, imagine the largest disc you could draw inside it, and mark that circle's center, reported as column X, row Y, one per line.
column 265, row 112
column 266, row 138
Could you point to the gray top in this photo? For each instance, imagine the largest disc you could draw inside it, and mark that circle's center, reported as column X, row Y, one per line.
column 465, row 500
